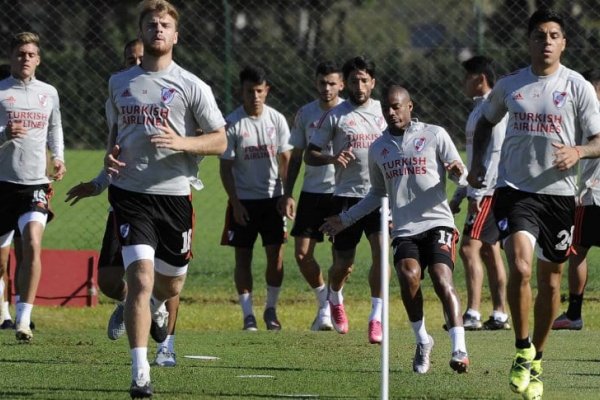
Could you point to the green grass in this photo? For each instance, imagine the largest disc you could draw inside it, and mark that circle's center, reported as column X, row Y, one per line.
column 71, row 357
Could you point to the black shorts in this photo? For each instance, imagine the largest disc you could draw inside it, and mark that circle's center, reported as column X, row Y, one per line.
column 16, row 200
column 349, row 238
column 435, row 246
column 482, row 225
column 110, row 253
column 587, row 220
column 166, row 223
column 548, row 218
column 264, row 220
column 313, row 208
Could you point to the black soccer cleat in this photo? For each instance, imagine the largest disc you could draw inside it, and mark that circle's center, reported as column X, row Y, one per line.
column 140, row 392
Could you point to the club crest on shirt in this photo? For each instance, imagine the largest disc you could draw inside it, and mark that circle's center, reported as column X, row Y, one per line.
column 380, row 121
column 126, row 93
column 419, row 144
column 10, row 100
column 167, row 95
column 43, row 99
column 559, row 98
column 124, row 230
column 271, row 132
column 385, row 152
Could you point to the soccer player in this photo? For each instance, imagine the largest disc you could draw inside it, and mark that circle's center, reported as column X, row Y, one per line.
column 587, row 218
column 110, row 262
column 30, row 116
column 253, row 174
column 480, row 235
column 317, row 188
column 409, row 164
column 154, row 111
column 351, row 127
column 551, row 110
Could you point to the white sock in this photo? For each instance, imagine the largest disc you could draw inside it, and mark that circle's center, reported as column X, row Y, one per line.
column 272, row 296
column 376, row 309
column 499, row 316
column 336, row 298
column 2, row 285
column 169, row 343
column 24, row 314
column 246, row 304
column 457, row 339
column 6, row 310
column 421, row 334
column 140, row 368
column 321, row 293
column 473, row 313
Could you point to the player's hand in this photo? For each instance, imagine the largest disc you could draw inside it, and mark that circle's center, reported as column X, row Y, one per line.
column 168, row 138
column 15, row 129
column 565, row 156
column 286, row 206
column 111, row 162
column 474, row 206
column 81, row 191
column 455, row 168
column 454, row 206
column 240, row 214
column 476, row 176
column 59, row 170
column 332, row 226
column 344, row 157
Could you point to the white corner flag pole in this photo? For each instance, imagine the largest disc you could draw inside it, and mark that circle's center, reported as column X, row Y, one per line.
column 385, row 364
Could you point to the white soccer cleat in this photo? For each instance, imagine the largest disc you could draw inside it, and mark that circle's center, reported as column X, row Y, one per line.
column 165, row 358
column 116, row 323
column 23, row 334
column 421, row 362
column 322, row 321
column 158, row 328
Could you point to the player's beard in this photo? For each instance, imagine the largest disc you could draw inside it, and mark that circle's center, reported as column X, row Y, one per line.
column 157, row 51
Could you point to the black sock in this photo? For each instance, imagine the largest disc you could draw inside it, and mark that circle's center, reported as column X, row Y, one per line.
column 538, row 355
column 575, row 303
column 523, row 343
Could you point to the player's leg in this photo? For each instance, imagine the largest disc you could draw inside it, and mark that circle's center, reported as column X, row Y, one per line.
column 5, row 317
column 578, row 274
column 242, row 277
column 274, row 279
column 470, row 254
column 492, row 259
column 375, row 334
column 165, row 353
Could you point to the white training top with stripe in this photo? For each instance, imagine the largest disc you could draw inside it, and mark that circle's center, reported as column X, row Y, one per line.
column 36, row 104
column 139, row 101
column 254, row 143
column 589, row 182
column 319, row 179
column 410, row 169
column 558, row 108
column 350, row 125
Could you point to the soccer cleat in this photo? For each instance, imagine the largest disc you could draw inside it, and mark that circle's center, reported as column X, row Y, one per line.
column 116, row 323
column 250, row 323
column 7, row 324
column 375, row 332
column 471, row 323
column 535, row 389
column 519, row 375
column 421, row 362
column 322, row 321
column 165, row 358
column 158, row 327
column 140, row 390
column 270, row 318
column 493, row 324
column 24, row 334
column 459, row 361
column 563, row 322
column 338, row 318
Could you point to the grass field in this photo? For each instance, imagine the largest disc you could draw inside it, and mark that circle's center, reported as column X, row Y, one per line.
column 71, row 358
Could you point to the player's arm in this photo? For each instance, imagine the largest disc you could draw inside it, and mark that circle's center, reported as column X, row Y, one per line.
column 481, row 140
column 314, row 156
column 287, row 205
column 240, row 214
column 56, row 142
column 209, row 143
column 459, row 194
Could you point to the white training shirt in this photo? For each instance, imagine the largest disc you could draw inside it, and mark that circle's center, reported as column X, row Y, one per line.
column 350, row 125
column 558, row 108
column 491, row 158
column 254, row 144
column 36, row 104
column 141, row 100
column 411, row 170
column 319, row 179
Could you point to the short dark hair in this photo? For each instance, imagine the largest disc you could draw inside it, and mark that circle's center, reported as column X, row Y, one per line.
column 327, row 67
column 481, row 65
column 542, row 15
column 592, row 75
column 254, row 74
column 360, row 63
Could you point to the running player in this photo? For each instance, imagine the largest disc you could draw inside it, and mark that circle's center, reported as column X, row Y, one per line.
column 253, row 174
column 317, row 188
column 30, row 117
column 480, row 236
column 351, row 127
column 154, row 111
column 551, row 110
column 409, row 164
